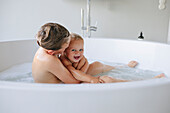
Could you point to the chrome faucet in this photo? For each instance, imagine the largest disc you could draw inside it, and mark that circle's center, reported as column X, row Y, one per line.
column 88, row 27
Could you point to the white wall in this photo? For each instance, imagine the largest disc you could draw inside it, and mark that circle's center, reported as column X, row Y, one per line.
column 21, row 19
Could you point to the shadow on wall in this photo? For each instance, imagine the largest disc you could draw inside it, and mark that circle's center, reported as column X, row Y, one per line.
column 169, row 33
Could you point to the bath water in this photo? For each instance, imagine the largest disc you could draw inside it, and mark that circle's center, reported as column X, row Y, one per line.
column 18, row 73
column 23, row 72
column 124, row 72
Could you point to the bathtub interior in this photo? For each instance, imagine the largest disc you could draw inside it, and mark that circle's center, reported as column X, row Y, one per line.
column 152, row 56
column 129, row 97
column 16, row 52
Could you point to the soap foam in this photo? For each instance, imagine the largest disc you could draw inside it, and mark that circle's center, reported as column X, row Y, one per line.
column 18, row 73
column 23, row 72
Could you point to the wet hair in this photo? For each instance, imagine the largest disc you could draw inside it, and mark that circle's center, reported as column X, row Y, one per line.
column 75, row 36
column 52, row 36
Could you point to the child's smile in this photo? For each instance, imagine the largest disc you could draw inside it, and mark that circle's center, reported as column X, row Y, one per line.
column 75, row 50
column 76, row 57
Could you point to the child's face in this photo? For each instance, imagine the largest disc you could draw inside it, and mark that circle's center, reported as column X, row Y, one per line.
column 75, row 50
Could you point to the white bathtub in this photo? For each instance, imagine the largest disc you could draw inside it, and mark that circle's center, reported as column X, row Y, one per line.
column 149, row 96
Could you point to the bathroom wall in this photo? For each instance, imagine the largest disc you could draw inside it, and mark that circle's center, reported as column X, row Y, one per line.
column 21, row 19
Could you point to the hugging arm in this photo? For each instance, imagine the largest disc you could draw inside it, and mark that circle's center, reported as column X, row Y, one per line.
column 78, row 74
column 60, row 71
column 82, row 65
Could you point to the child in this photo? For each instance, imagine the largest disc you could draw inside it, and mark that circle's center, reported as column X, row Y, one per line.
column 75, row 52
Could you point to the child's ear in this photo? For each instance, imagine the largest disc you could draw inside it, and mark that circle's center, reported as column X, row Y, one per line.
column 51, row 52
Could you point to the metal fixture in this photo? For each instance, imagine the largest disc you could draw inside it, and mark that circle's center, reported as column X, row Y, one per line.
column 162, row 4
column 88, row 27
column 141, row 36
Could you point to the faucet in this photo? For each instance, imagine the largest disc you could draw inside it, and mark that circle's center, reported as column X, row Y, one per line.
column 88, row 27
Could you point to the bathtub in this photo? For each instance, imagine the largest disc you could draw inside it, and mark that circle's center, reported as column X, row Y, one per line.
column 148, row 96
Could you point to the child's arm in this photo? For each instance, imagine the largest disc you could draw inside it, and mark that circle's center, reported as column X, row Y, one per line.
column 82, row 65
column 79, row 75
column 85, row 67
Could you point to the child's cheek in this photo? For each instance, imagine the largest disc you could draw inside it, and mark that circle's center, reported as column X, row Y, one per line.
column 81, row 56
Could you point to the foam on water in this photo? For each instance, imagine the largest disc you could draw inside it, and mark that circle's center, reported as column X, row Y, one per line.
column 127, row 73
column 18, row 73
column 23, row 72
column 122, row 71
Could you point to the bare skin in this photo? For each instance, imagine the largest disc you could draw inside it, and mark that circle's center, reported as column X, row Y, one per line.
column 74, row 54
column 97, row 67
column 47, row 68
column 72, row 57
column 132, row 64
column 162, row 75
column 108, row 79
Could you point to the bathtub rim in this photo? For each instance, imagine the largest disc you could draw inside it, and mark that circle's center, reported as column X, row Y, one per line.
column 131, row 40
column 134, row 84
column 84, row 87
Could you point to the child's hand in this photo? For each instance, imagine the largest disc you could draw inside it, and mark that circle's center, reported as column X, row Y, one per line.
column 106, row 79
column 75, row 65
column 97, row 80
column 94, row 80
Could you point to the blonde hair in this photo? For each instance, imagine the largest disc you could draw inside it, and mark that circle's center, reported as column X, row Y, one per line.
column 75, row 36
column 52, row 36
